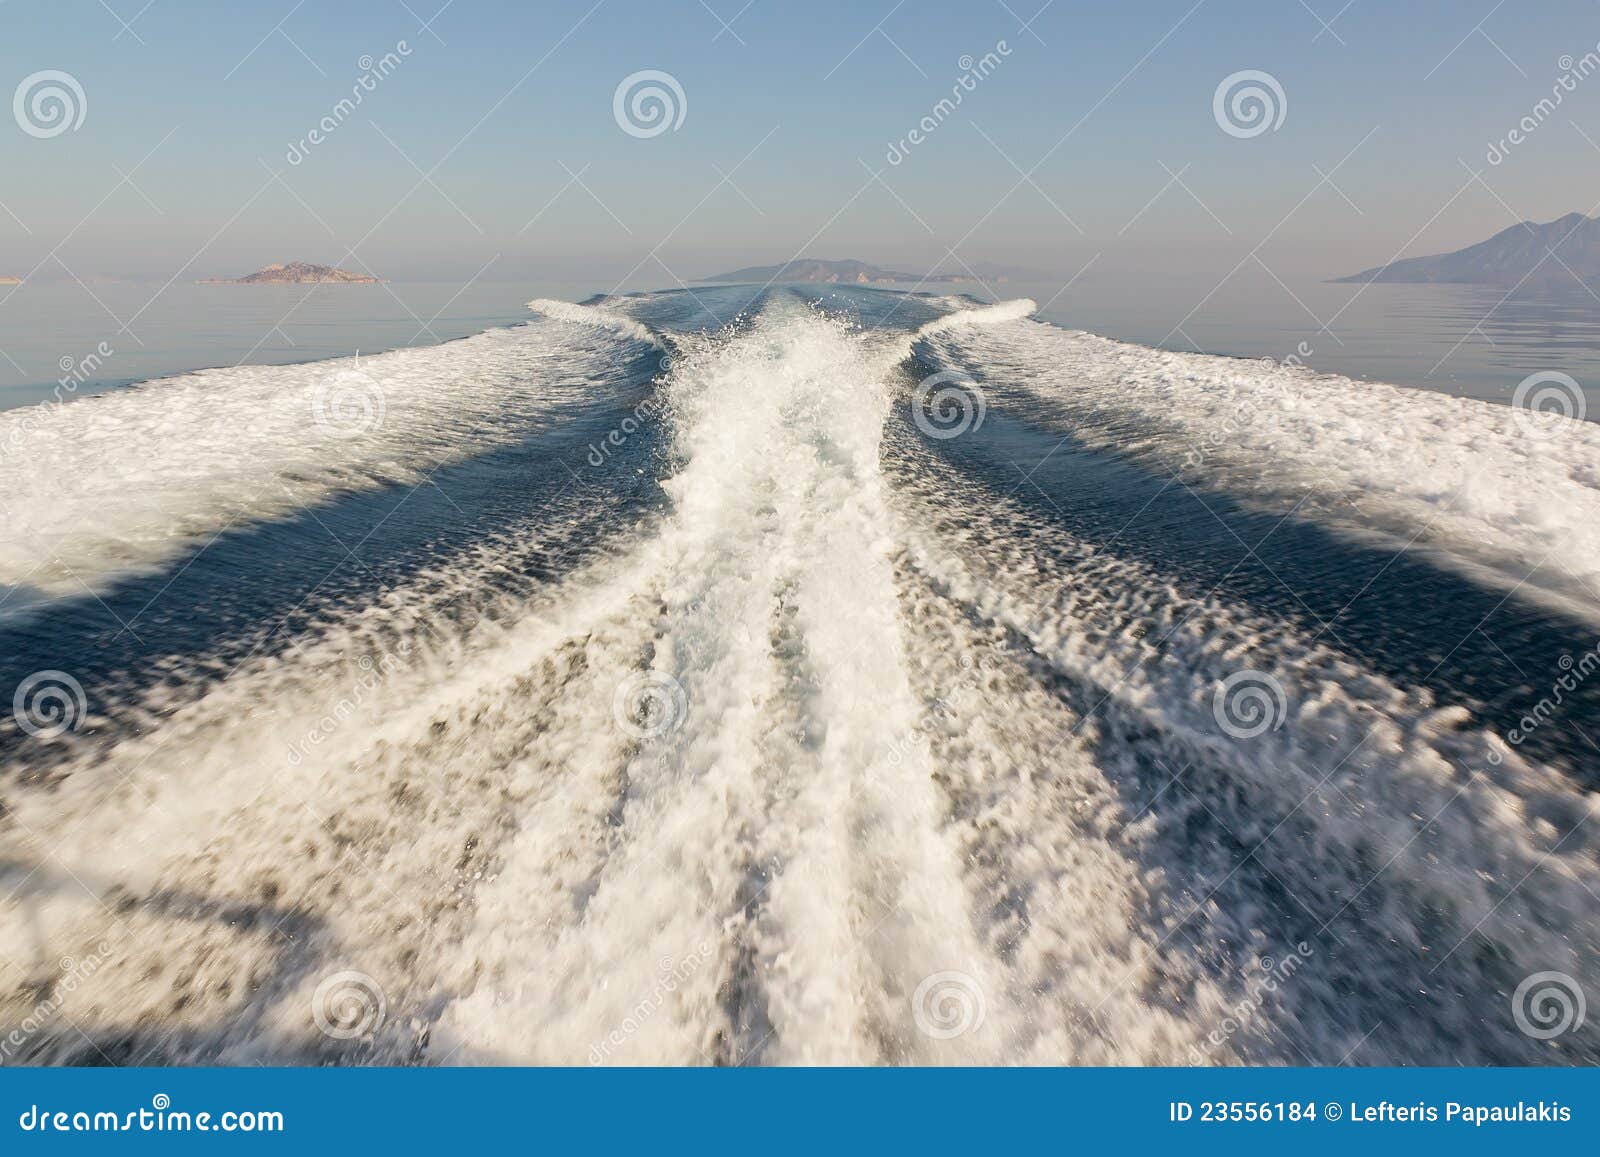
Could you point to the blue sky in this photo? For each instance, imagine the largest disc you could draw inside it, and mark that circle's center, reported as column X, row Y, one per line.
column 1108, row 109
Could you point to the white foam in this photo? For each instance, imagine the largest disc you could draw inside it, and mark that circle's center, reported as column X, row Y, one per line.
column 127, row 480
column 995, row 314
column 595, row 315
column 1379, row 828
column 922, row 739
column 1472, row 479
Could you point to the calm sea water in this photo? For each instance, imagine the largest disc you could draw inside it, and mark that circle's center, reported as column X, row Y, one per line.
column 55, row 331
column 1464, row 340
column 1468, row 341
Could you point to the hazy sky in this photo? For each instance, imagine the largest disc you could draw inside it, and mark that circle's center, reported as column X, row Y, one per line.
column 788, row 110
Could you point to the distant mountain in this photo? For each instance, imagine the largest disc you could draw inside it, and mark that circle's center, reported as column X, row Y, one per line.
column 850, row 272
column 1520, row 254
column 297, row 273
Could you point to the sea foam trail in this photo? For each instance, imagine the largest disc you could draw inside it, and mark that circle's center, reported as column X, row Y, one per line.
column 1002, row 311
column 841, row 756
column 1489, row 486
column 1358, row 818
column 764, row 840
column 595, row 315
column 125, row 481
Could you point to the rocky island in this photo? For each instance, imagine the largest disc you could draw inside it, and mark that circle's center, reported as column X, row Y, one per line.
column 296, row 273
column 834, row 272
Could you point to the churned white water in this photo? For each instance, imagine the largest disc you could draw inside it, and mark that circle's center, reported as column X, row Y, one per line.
column 1499, row 487
column 122, row 482
column 839, row 757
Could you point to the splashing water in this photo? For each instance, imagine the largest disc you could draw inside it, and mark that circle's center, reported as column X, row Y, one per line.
column 788, row 733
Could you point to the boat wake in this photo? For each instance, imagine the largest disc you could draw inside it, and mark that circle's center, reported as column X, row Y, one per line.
column 816, row 711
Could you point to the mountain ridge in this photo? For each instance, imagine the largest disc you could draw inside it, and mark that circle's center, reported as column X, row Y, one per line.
column 1563, row 249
